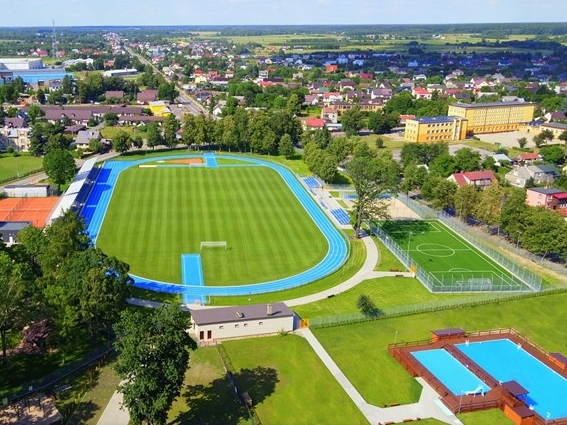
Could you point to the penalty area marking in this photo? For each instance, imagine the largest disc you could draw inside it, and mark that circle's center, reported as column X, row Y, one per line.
column 435, row 250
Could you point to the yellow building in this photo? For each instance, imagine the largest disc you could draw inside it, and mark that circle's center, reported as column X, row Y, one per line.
column 493, row 117
column 435, row 129
column 159, row 108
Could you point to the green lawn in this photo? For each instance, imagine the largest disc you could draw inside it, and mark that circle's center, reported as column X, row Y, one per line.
column 364, row 358
column 157, row 214
column 352, row 265
column 11, row 167
column 289, row 383
column 445, row 255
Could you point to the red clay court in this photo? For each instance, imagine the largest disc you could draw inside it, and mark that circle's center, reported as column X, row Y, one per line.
column 36, row 210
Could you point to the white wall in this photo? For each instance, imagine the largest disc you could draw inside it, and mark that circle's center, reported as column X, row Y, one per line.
column 244, row 328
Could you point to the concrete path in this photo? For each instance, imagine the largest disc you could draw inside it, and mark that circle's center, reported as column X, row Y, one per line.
column 114, row 414
column 428, row 406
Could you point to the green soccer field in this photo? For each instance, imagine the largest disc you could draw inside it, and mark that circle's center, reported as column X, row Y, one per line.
column 449, row 258
column 157, row 214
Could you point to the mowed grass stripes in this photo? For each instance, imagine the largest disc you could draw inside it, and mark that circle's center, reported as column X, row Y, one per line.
column 157, row 214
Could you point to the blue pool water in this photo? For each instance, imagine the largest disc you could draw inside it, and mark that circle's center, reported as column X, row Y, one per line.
column 452, row 373
column 506, row 361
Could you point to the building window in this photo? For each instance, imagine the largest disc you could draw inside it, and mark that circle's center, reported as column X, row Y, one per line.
column 221, row 327
column 246, row 325
column 261, row 323
column 237, row 325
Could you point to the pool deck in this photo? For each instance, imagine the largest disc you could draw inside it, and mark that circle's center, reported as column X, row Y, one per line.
column 466, row 403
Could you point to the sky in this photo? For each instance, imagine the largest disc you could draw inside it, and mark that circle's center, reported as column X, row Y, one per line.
column 275, row 12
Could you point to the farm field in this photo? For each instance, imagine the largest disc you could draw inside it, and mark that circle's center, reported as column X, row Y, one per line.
column 157, row 214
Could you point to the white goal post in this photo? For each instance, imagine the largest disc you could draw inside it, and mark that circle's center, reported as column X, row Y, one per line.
column 214, row 244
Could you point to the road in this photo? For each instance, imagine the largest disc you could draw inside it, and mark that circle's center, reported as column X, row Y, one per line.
column 189, row 103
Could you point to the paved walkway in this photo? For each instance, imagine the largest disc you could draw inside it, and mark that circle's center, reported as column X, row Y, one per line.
column 113, row 413
column 428, row 406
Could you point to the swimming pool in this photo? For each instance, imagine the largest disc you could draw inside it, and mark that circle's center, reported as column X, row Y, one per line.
column 506, row 361
column 452, row 373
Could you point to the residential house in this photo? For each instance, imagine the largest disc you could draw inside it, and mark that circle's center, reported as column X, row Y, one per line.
column 85, row 137
column 147, row 96
column 314, row 124
column 421, row 93
column 346, row 85
column 330, row 115
column 159, row 108
column 114, row 94
column 217, row 110
column 541, row 174
column 480, row 179
column 549, row 198
column 526, row 158
column 220, row 323
column 15, row 134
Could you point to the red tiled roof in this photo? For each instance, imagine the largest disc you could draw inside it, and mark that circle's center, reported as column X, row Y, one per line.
column 315, row 122
column 528, row 156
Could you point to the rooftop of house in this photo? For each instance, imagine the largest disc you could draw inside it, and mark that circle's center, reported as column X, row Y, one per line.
column 240, row 313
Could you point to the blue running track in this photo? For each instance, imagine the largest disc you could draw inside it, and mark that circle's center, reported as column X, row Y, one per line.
column 97, row 203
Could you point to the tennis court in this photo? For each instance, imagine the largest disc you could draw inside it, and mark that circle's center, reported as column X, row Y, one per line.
column 447, row 257
column 35, row 210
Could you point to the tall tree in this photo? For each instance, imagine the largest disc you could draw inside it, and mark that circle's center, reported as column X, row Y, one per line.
column 154, row 137
column 170, row 127
column 513, row 212
column 12, row 298
column 465, row 200
column 371, row 176
column 467, row 160
column 121, row 142
column 35, row 112
column 352, row 121
column 152, row 359
column 285, row 147
column 59, row 166
column 489, row 205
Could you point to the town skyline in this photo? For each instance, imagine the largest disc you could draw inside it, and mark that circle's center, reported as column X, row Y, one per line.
column 291, row 12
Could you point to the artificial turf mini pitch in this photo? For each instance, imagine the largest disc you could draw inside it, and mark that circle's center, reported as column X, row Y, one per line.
column 445, row 255
column 157, row 214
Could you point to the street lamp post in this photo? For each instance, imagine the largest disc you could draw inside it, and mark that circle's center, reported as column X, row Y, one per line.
column 518, row 241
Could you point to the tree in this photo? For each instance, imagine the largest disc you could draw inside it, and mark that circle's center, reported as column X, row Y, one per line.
column 414, row 177
column 121, row 142
column 367, row 306
column 152, row 359
column 87, row 294
column 35, row 112
column 371, row 177
column 154, row 137
column 110, row 119
column 443, row 165
column 327, row 167
column 522, row 142
column 285, row 147
column 57, row 142
column 489, row 164
column 465, row 200
column 352, row 121
column 467, row 160
column 170, row 127
column 293, row 105
column 443, row 194
column 544, row 231
column 12, row 298
column 489, row 204
column 95, row 145
column 563, row 137
column 167, row 91
column 379, row 143
column 137, row 141
column 379, row 123
column 59, row 166
column 554, row 154
column 513, row 212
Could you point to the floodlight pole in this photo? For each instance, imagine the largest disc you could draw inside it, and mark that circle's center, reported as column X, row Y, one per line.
column 409, row 240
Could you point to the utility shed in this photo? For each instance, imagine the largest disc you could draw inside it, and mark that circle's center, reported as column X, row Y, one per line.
column 241, row 321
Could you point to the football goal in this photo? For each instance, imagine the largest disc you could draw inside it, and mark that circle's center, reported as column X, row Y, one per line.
column 214, row 244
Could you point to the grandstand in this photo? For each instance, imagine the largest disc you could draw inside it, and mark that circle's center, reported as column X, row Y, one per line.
column 341, row 216
column 312, row 183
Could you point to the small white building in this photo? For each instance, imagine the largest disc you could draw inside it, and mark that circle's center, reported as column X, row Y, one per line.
column 27, row 190
column 210, row 324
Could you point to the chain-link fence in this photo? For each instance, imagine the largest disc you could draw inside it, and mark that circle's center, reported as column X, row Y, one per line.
column 440, row 305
